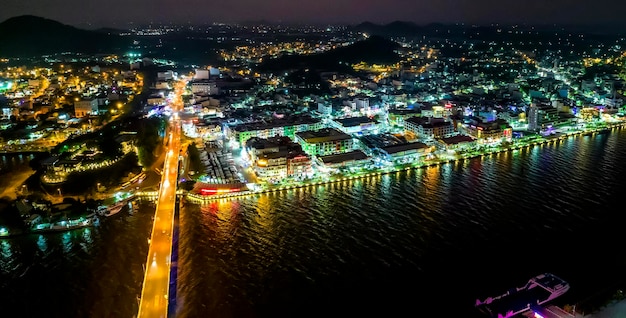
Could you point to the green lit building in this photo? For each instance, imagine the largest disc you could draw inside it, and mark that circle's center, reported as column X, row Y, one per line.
column 324, row 142
column 283, row 127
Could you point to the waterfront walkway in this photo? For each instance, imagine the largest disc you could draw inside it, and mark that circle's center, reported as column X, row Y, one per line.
column 199, row 198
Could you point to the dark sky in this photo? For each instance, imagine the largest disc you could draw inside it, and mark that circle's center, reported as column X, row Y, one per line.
column 119, row 12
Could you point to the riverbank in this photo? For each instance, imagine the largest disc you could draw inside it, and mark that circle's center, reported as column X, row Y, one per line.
column 196, row 198
column 36, row 216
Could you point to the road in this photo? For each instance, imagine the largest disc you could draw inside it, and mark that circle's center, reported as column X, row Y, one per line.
column 154, row 294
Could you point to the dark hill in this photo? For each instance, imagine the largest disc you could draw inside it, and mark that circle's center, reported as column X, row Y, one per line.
column 27, row 35
column 373, row 50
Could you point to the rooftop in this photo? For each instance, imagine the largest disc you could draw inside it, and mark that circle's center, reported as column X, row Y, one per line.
column 289, row 121
column 344, row 157
column 355, row 121
column 323, row 135
column 456, row 139
column 404, row 147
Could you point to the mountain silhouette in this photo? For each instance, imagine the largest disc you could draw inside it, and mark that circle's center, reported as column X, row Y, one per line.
column 373, row 50
column 28, row 35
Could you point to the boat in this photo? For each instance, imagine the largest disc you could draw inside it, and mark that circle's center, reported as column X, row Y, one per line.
column 63, row 225
column 537, row 291
column 110, row 210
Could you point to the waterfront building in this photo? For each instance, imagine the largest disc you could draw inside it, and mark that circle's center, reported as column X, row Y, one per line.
column 541, row 116
column 328, row 141
column 276, row 158
column 456, row 143
column 279, row 165
column 402, row 153
column 271, row 165
column 333, row 163
column 429, row 127
column 489, row 132
column 255, row 147
column 299, row 165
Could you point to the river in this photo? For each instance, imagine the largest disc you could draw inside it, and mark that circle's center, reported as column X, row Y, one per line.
column 422, row 243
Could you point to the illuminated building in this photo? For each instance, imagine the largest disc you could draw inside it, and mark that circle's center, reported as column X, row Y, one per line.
column 328, row 141
column 493, row 131
column 404, row 152
column 362, row 103
column 85, row 107
column 204, row 86
column 255, row 147
column 272, row 165
column 298, row 165
column 457, row 143
column 398, row 116
column 324, row 109
column 282, row 127
column 541, row 116
column 356, row 125
column 429, row 127
column 332, row 163
column 277, row 157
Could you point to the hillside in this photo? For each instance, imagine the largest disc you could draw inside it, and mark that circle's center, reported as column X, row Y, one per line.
column 26, row 35
column 373, row 50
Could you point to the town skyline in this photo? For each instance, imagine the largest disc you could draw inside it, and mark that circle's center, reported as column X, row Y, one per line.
column 482, row 12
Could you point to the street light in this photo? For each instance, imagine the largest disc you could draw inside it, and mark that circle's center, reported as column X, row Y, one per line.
column 60, row 194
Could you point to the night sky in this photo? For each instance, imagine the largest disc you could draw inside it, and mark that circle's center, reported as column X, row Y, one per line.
column 121, row 12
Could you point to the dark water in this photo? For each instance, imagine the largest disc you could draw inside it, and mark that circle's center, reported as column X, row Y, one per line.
column 424, row 243
column 90, row 272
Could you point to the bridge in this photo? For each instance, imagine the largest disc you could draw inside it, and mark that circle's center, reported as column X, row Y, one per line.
column 155, row 292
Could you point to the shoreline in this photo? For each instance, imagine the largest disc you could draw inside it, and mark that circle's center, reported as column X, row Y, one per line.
column 196, row 198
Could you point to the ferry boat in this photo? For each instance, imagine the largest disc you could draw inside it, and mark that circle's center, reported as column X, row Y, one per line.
column 111, row 210
column 537, row 291
column 64, row 225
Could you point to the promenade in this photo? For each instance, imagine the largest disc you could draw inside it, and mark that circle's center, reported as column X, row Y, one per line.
column 520, row 145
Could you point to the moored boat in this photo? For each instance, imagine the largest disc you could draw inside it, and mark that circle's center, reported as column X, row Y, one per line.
column 63, row 225
column 537, row 291
column 112, row 209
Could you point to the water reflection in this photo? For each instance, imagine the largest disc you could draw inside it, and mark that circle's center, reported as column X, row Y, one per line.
column 66, row 241
column 6, row 250
column 42, row 243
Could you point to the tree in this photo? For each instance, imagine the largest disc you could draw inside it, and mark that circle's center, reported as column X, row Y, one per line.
column 148, row 139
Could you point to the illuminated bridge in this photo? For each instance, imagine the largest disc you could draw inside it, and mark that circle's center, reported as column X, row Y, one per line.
column 156, row 293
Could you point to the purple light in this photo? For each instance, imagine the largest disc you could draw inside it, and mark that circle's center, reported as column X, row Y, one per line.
column 538, row 315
